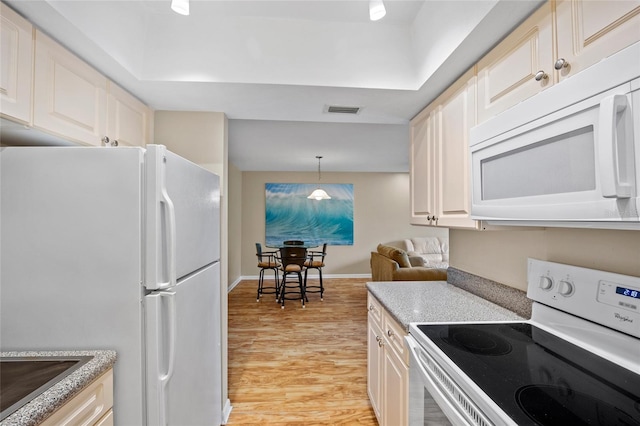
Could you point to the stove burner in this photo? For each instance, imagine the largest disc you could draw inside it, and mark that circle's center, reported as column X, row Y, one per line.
column 476, row 341
column 560, row 405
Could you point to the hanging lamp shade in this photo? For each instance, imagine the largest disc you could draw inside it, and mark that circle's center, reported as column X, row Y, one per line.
column 180, row 6
column 376, row 10
column 319, row 193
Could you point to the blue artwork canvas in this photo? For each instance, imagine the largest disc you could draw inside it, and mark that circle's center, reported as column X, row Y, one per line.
column 290, row 215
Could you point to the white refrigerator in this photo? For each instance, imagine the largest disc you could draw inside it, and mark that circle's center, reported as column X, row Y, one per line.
column 117, row 248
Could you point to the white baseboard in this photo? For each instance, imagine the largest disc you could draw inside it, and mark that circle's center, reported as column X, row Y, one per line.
column 226, row 411
column 255, row 277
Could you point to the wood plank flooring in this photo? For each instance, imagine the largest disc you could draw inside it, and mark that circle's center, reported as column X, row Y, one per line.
column 297, row 366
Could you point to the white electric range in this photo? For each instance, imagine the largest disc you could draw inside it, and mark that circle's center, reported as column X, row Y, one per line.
column 575, row 362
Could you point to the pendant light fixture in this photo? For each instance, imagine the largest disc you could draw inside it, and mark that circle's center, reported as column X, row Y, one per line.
column 180, row 6
column 376, row 10
column 319, row 194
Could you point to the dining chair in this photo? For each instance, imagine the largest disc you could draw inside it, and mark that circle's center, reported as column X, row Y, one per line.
column 291, row 265
column 267, row 261
column 293, row 243
column 315, row 260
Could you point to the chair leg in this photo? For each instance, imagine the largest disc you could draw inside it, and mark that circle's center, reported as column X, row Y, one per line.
column 303, row 294
column 305, row 285
column 276, row 282
column 283, row 288
column 260, row 280
column 321, row 285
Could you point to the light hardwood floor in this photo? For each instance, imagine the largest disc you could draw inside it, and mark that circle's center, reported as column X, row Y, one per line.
column 297, row 366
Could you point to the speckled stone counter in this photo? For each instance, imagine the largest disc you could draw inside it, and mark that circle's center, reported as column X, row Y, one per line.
column 45, row 404
column 435, row 301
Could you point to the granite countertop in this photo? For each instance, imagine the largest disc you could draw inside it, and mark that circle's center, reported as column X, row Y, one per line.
column 435, row 301
column 45, row 404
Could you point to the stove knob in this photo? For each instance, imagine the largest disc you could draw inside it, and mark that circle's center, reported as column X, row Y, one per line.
column 566, row 288
column 546, row 283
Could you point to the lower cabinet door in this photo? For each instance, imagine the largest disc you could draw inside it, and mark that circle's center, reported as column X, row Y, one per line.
column 395, row 391
column 374, row 367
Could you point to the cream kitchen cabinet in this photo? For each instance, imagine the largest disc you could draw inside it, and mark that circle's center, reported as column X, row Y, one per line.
column 128, row 119
column 74, row 101
column 588, row 31
column 388, row 367
column 520, row 66
column 70, row 97
column 422, row 168
column 558, row 40
column 440, row 193
column 16, row 65
column 92, row 406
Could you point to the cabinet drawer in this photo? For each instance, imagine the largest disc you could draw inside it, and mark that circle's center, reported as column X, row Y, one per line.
column 394, row 334
column 375, row 310
column 106, row 420
column 88, row 407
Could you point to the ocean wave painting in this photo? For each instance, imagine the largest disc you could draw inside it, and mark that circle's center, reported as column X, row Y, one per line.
column 290, row 215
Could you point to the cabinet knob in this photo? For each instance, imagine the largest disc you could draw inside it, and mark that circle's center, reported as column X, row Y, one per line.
column 561, row 63
column 541, row 75
column 389, row 333
column 108, row 142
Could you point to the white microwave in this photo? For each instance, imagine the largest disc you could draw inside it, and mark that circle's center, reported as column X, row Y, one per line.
column 569, row 156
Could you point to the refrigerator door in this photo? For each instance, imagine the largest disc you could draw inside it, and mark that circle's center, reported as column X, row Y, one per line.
column 71, row 264
column 183, row 352
column 183, row 218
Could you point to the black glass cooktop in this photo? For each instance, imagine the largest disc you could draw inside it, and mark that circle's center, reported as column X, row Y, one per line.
column 538, row 378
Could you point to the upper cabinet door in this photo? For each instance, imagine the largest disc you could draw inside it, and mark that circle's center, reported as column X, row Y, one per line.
column 16, row 65
column 455, row 117
column 422, row 173
column 519, row 67
column 70, row 97
column 589, row 31
column 128, row 119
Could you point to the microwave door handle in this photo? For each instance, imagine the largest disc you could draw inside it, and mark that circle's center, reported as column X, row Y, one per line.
column 615, row 145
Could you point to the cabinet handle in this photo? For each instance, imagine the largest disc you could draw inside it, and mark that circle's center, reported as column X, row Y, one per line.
column 389, row 333
column 380, row 341
column 541, row 75
column 561, row 63
column 108, row 142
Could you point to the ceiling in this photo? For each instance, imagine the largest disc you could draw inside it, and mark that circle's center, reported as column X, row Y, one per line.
column 274, row 67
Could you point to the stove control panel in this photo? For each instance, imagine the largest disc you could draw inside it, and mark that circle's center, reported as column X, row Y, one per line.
column 615, row 294
column 606, row 298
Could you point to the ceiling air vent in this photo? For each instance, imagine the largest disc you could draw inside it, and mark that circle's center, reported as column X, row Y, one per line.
column 334, row 109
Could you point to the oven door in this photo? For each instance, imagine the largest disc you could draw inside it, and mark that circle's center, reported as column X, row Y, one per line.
column 430, row 403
